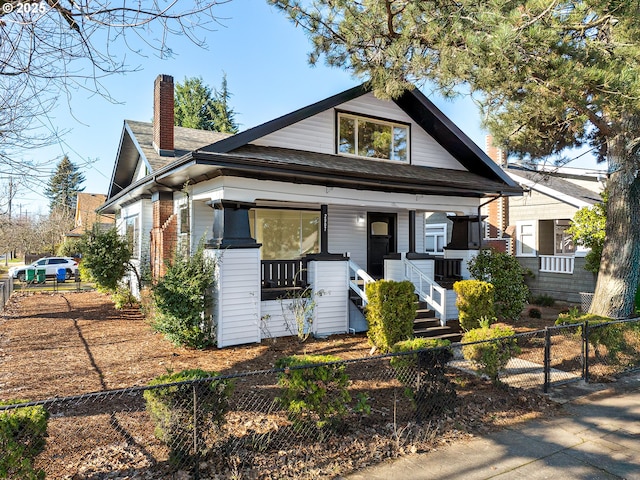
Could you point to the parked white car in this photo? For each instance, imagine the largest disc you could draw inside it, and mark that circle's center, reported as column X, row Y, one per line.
column 51, row 266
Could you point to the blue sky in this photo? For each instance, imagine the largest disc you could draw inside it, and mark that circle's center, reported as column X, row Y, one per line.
column 265, row 59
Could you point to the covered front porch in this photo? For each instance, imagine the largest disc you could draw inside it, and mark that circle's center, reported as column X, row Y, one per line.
column 331, row 251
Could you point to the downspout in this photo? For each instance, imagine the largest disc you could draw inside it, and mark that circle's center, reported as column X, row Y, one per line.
column 500, row 195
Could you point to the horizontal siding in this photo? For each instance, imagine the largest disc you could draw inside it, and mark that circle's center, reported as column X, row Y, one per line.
column 317, row 133
column 238, row 297
column 346, row 235
column 537, row 206
column 201, row 223
column 273, row 322
column 330, row 284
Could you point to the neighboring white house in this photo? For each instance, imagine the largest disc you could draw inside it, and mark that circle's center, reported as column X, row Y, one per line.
column 328, row 196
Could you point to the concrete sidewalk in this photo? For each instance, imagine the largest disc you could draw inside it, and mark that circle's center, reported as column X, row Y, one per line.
column 598, row 438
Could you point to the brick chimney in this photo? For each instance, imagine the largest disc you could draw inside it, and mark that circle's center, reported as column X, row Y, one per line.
column 496, row 154
column 163, row 115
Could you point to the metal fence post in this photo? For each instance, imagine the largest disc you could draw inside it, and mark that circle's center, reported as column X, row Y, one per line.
column 585, row 352
column 196, row 459
column 547, row 359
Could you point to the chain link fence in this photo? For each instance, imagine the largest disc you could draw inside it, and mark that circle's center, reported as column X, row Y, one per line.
column 309, row 421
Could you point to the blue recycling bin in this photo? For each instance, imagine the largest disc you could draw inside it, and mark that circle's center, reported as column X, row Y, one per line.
column 61, row 275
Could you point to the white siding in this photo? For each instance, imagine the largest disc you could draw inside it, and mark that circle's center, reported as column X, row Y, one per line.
column 317, row 133
column 346, row 234
column 237, row 311
column 465, row 255
column 144, row 211
column 331, row 290
column 272, row 322
column 201, row 222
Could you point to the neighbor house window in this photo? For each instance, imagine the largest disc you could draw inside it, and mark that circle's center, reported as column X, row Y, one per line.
column 132, row 233
column 285, row 234
column 525, row 239
column 435, row 238
column 563, row 241
column 372, row 138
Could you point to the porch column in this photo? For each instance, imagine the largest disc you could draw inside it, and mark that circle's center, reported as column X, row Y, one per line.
column 237, row 289
column 412, row 231
column 324, row 229
column 231, row 225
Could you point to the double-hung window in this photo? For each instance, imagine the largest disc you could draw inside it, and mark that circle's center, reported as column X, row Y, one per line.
column 435, row 238
column 132, row 233
column 525, row 239
column 372, row 138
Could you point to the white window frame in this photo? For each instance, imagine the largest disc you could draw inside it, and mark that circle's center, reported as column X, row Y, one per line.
column 134, row 221
column 377, row 121
column 559, row 228
column 435, row 236
column 519, row 242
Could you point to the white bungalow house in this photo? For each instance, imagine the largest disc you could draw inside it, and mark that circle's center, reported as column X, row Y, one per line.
column 329, row 196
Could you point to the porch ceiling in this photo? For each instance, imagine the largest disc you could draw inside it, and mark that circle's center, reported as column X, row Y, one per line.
column 294, row 166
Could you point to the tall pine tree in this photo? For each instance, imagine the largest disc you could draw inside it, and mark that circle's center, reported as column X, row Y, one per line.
column 198, row 106
column 63, row 187
column 547, row 75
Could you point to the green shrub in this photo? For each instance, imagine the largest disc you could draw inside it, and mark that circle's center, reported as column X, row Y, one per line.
column 317, row 394
column 423, row 374
column 390, row 312
column 474, row 301
column 496, row 346
column 172, row 410
column 22, row 438
column 543, row 300
column 123, row 297
column 534, row 313
column 507, row 276
column 612, row 337
column 183, row 297
column 105, row 257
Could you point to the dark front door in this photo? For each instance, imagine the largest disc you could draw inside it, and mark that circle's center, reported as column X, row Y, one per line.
column 381, row 241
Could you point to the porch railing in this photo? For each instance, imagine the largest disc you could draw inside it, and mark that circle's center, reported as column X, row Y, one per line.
column 358, row 279
column 283, row 273
column 556, row 264
column 428, row 290
column 449, row 268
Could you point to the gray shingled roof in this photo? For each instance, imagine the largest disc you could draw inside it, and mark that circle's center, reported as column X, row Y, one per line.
column 555, row 182
column 185, row 140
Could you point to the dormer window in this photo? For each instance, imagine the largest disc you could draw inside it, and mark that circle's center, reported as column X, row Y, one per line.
column 372, row 138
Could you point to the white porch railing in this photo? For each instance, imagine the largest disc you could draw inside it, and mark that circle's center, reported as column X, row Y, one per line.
column 428, row 290
column 358, row 279
column 556, row 264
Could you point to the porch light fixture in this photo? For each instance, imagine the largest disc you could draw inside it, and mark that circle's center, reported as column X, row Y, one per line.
column 360, row 220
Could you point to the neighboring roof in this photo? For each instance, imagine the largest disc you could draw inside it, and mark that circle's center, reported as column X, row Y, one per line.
column 555, row 186
column 86, row 216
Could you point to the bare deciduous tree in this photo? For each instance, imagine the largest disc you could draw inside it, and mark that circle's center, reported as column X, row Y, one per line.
column 53, row 48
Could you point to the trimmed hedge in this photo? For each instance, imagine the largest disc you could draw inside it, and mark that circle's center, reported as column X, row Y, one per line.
column 615, row 338
column 475, row 300
column 314, row 394
column 423, row 375
column 390, row 312
column 171, row 409
column 496, row 346
column 22, row 438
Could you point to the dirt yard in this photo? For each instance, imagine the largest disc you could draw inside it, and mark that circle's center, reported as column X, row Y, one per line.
column 54, row 345
column 62, row 344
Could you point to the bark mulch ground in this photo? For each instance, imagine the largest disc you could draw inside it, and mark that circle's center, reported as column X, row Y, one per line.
column 64, row 344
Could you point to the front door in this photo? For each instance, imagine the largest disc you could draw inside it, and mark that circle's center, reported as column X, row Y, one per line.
column 381, row 241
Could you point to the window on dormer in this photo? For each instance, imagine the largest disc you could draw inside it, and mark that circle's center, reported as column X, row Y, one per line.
column 372, row 138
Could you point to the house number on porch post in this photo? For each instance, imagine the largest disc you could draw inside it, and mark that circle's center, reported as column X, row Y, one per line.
column 324, row 229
